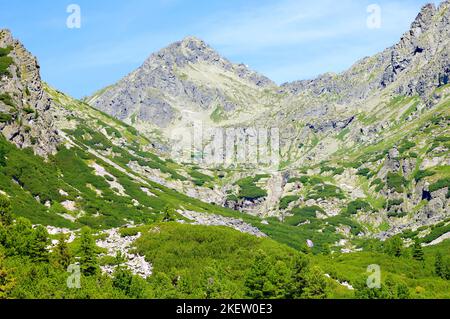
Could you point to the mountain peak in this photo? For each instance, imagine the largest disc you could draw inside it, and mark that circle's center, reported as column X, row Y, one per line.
column 188, row 50
column 192, row 40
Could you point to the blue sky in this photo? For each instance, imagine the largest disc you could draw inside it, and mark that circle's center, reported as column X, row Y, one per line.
column 285, row 40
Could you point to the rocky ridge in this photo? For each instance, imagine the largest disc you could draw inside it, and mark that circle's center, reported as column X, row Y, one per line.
column 25, row 106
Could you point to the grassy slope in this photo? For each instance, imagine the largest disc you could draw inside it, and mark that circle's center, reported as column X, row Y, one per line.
column 418, row 276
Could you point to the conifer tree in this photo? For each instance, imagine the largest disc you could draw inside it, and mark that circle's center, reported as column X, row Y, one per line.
column 2, row 156
column 316, row 286
column 257, row 282
column 440, row 267
column 7, row 282
column 403, row 291
column 418, row 251
column 6, row 217
column 394, row 246
column 39, row 244
column 88, row 255
column 168, row 214
column 62, row 253
column 297, row 286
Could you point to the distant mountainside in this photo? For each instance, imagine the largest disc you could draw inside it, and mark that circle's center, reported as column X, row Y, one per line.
column 376, row 107
column 188, row 81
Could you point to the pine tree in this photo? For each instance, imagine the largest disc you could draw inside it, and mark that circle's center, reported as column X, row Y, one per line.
column 62, row 253
column 298, row 284
column 257, row 282
column 6, row 217
column 7, row 282
column 123, row 279
column 316, row 286
column 39, row 244
column 418, row 251
column 440, row 268
column 394, row 246
column 88, row 256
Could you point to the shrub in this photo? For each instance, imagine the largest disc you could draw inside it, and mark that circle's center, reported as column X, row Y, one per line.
column 7, row 99
column 5, row 61
column 419, row 175
column 285, row 201
column 396, row 182
column 393, row 202
column 406, row 146
column 4, row 118
column 357, row 205
column 442, row 139
column 28, row 110
column 442, row 183
column 200, row 179
column 364, row 172
column 325, row 191
column 301, row 214
column 437, row 231
column 249, row 190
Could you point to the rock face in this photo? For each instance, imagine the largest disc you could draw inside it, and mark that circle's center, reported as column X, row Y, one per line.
column 216, row 220
column 115, row 243
column 26, row 108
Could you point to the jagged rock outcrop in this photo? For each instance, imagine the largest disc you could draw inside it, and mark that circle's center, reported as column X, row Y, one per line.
column 26, row 108
column 420, row 60
column 217, row 220
column 116, row 244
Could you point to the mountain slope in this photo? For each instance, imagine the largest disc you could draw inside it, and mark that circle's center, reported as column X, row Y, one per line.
column 359, row 138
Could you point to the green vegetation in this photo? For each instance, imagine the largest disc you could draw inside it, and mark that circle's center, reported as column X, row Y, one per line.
column 5, row 61
column 325, row 191
column 406, row 146
column 249, row 190
column 4, row 118
column 342, row 134
column 440, row 184
column 357, row 205
column 216, row 262
column 396, row 182
column 285, row 201
column 7, row 99
column 200, row 179
column 436, row 231
column 302, row 214
column 402, row 275
column 419, row 175
column 218, row 114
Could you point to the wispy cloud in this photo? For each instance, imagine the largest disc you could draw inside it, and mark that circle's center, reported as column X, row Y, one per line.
column 304, row 38
column 287, row 22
